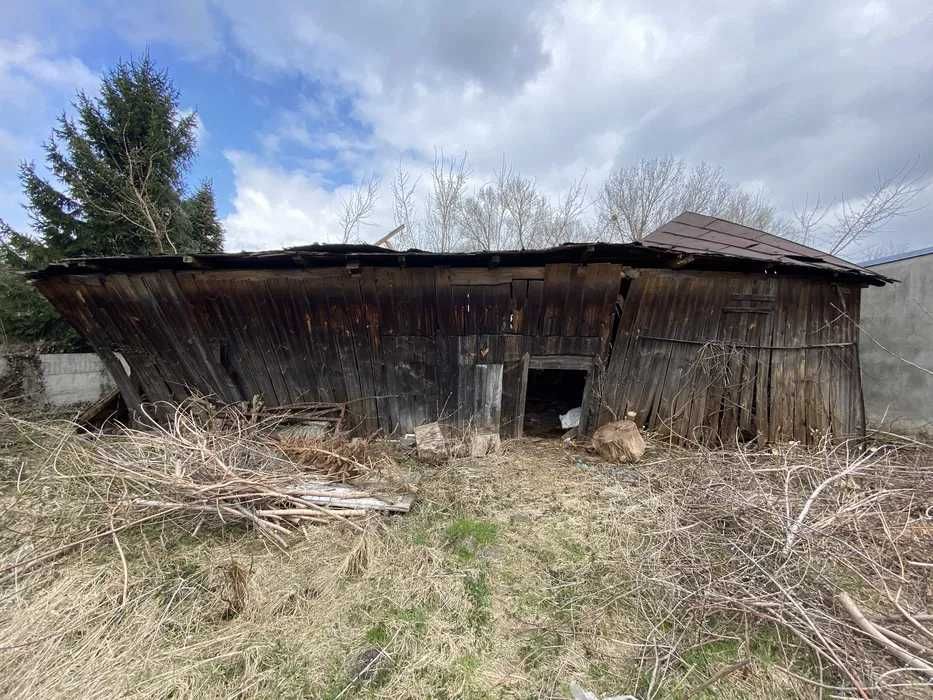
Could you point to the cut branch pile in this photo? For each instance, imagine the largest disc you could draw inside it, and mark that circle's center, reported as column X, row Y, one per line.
column 827, row 554
column 192, row 472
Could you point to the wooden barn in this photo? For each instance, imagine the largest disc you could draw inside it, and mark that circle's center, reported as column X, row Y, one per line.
column 707, row 330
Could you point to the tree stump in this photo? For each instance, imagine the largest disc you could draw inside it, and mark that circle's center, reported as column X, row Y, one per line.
column 619, row 441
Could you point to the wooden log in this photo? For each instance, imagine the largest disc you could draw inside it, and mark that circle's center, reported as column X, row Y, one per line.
column 619, row 441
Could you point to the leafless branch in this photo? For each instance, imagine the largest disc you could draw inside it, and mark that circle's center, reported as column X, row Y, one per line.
column 358, row 206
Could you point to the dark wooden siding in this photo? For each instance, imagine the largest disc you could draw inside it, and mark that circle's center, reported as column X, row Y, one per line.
column 401, row 346
column 702, row 355
column 714, row 357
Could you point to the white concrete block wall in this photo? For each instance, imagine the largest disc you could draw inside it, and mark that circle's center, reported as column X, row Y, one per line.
column 71, row 378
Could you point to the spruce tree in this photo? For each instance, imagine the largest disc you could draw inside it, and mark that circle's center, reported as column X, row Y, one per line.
column 118, row 187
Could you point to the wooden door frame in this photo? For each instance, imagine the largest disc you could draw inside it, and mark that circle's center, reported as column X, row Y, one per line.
column 586, row 363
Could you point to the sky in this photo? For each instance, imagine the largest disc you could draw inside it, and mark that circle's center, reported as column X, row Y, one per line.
column 298, row 101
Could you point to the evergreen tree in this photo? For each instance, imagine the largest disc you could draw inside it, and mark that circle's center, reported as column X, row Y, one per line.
column 119, row 170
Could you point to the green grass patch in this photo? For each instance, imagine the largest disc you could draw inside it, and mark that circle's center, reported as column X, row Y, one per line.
column 476, row 587
column 465, row 536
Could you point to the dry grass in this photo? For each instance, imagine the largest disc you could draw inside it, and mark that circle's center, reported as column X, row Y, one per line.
column 512, row 575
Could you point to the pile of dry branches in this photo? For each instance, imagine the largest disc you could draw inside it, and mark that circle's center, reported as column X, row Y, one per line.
column 825, row 556
column 213, row 466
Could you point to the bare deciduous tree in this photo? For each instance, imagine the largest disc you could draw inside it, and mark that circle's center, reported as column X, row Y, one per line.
column 357, row 208
column 850, row 224
column 448, row 182
column 483, row 219
column 637, row 199
column 563, row 222
column 403, row 207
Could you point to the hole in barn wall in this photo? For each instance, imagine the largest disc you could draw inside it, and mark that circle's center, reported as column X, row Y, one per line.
column 549, row 393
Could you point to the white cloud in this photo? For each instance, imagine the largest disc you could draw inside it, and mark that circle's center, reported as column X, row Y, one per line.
column 35, row 85
column 801, row 97
column 274, row 208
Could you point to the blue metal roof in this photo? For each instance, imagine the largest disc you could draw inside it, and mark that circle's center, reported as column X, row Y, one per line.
column 898, row 257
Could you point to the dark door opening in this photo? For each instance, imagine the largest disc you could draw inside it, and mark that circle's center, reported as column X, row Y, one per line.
column 551, row 392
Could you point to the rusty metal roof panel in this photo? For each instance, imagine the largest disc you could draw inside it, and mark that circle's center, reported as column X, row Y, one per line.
column 691, row 233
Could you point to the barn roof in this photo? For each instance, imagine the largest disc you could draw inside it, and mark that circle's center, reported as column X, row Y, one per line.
column 701, row 234
column 690, row 241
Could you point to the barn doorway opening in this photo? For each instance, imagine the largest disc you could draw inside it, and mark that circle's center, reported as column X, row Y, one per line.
column 549, row 393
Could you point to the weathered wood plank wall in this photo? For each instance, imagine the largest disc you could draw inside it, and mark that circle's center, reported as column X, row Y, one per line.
column 726, row 356
column 402, row 346
column 704, row 355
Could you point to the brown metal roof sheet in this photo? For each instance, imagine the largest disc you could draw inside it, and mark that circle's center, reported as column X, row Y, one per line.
column 694, row 233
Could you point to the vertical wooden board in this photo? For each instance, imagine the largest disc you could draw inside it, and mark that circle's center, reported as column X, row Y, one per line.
column 499, row 299
column 209, row 325
column 244, row 363
column 731, row 366
column 781, row 410
column 534, row 307
column 432, row 374
column 341, row 329
column 363, row 349
column 279, row 327
column 314, row 311
column 762, row 425
column 852, row 409
column 855, row 376
column 119, row 301
column 816, row 358
column 394, row 409
column 466, row 360
column 463, row 305
column 659, row 352
column 670, row 386
column 405, row 383
column 519, row 298
column 841, row 365
column 689, row 382
column 201, row 342
column 201, row 360
column 447, row 377
column 261, row 336
column 573, row 304
column 320, row 324
column 158, row 360
column 557, row 282
column 613, row 388
column 490, row 348
column 801, row 339
column 427, row 303
column 383, row 283
column 446, row 317
column 514, row 376
column 405, row 298
column 304, row 364
column 372, row 309
column 487, row 393
column 601, row 288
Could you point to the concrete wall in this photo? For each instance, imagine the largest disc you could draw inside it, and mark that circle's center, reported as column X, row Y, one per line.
column 60, row 379
column 899, row 317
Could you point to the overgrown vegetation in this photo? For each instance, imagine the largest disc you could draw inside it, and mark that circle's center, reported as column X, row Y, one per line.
column 683, row 575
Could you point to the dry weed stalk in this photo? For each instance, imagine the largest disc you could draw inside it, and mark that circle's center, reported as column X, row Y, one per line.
column 788, row 541
column 200, row 466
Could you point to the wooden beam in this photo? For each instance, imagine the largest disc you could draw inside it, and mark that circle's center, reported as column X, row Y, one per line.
column 583, row 362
